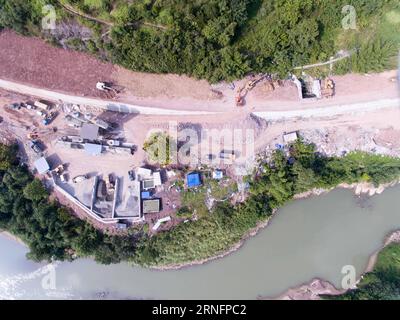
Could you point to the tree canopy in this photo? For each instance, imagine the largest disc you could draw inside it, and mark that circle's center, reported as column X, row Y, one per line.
column 223, row 39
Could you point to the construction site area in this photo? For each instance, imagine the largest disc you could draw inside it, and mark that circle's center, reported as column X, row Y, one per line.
column 83, row 132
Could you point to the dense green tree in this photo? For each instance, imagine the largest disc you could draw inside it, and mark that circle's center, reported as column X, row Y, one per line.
column 35, row 191
column 222, row 39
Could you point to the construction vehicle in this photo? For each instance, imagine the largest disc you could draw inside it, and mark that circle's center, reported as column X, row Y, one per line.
column 59, row 170
column 328, row 90
column 243, row 91
column 35, row 134
column 241, row 94
column 79, row 179
column 104, row 86
column 106, row 90
column 64, row 178
column 34, row 145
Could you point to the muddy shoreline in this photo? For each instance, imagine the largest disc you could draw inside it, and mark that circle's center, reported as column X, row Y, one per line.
column 316, row 287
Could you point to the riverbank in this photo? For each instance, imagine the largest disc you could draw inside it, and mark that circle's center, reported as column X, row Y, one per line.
column 227, row 228
column 362, row 188
column 10, row 236
column 253, row 232
column 268, row 264
column 316, row 285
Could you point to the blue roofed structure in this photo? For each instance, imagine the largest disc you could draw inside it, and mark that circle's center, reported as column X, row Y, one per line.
column 146, row 195
column 193, row 180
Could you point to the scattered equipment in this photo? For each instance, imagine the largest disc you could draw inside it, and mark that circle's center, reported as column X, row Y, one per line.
column 79, row 179
column 107, row 89
column 59, row 170
column 42, row 105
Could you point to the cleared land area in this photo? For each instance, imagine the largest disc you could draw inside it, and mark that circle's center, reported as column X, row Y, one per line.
column 32, row 62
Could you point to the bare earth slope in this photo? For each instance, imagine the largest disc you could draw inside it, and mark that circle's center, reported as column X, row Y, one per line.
column 33, row 62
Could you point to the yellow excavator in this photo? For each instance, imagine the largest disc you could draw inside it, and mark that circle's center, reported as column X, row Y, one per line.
column 35, row 134
column 243, row 91
column 328, row 90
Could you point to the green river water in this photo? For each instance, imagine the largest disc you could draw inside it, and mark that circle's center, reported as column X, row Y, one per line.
column 311, row 238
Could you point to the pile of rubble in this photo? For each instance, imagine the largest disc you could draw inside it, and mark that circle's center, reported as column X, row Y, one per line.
column 334, row 142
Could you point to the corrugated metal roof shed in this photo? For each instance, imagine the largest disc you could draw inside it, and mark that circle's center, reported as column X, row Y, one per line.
column 290, row 137
column 89, row 131
column 42, row 165
column 93, row 149
column 151, row 206
column 144, row 173
column 148, row 184
column 157, row 179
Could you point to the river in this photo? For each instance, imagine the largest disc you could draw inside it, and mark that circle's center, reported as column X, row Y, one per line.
column 310, row 238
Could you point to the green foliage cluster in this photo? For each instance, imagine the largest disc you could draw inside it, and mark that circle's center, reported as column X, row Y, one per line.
column 226, row 39
column 276, row 184
column 383, row 283
column 50, row 231
column 203, row 238
column 160, row 148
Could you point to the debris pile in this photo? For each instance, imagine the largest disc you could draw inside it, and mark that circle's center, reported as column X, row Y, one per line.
column 332, row 142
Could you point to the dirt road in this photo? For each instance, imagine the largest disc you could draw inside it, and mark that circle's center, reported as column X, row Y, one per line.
column 331, row 111
column 108, row 105
column 33, row 62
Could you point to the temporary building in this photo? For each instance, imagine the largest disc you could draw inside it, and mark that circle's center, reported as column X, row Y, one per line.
column 217, row 174
column 157, row 179
column 290, row 137
column 144, row 173
column 42, row 165
column 193, row 180
column 151, row 206
column 148, row 184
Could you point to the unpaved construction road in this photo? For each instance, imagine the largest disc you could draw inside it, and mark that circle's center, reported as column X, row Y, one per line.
column 321, row 112
column 331, row 111
column 107, row 105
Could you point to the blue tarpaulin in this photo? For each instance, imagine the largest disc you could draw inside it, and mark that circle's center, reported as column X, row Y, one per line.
column 146, row 195
column 193, row 180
